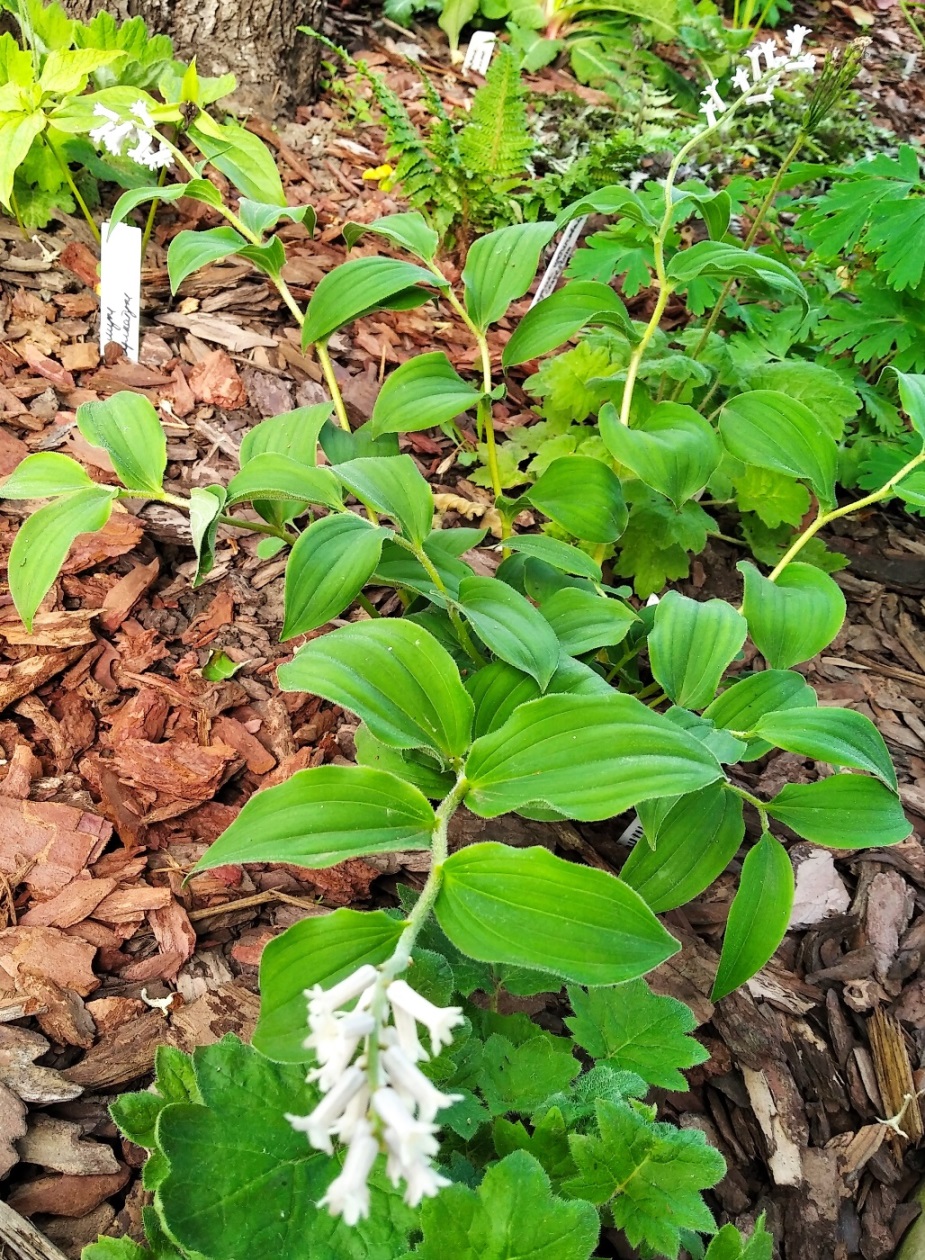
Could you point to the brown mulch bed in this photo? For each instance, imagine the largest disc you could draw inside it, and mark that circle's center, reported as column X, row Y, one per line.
column 122, row 763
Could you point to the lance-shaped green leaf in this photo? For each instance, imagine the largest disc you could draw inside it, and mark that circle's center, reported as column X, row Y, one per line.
column 241, row 156
column 912, row 397
column 323, row 816
column 717, row 260
column 409, row 231
column 395, row 487
column 277, row 478
column 206, row 506
column 758, row 916
column 498, row 688
column 715, row 208
column 500, row 267
column 531, row 909
column 692, row 644
column 582, row 495
column 741, row 705
column 395, row 676
column 202, row 190
column 423, row 393
column 188, row 251
column 44, row 475
column 697, row 839
column 769, row 429
column 672, row 449
column 294, row 434
column 359, row 286
column 511, row 626
column 589, row 757
column 330, row 564
column 792, row 619
column 127, row 427
column 558, row 317
column 846, row 811
column 259, row 216
column 839, row 736
column 559, row 554
column 410, row 764
column 319, row 950
column 43, row 541
column 583, row 621
column 613, row 200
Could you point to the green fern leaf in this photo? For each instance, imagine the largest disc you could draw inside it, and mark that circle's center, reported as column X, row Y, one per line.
column 495, row 143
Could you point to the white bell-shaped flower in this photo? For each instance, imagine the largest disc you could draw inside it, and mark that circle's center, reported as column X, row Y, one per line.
column 438, row 1020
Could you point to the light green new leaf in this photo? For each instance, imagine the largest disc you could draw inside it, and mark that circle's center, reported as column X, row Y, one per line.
column 769, row 429
column 532, row 909
column 500, row 267
column 741, row 705
column 718, row 260
column 583, row 621
column 395, row 676
column 319, row 950
column 513, row 1215
column 128, row 429
column 202, row 190
column 673, row 449
column 697, row 839
column 612, row 200
column 691, row 646
column 294, row 433
column 559, row 554
column 839, row 736
column 729, row 1244
column 510, row 626
column 206, row 505
column 43, row 475
column 241, row 156
column 650, row 1174
column 636, row 1030
column 423, row 393
column 188, row 251
column 242, row 1181
column 330, row 564
column 454, row 15
column 43, row 541
column 115, row 1249
column 558, row 317
column 758, row 916
column 67, row 70
column 323, row 816
column 260, row 216
column 277, row 478
column 589, row 757
column 792, row 619
column 846, row 811
column 408, row 230
column 358, row 287
column 17, row 132
column 582, row 495
column 395, row 487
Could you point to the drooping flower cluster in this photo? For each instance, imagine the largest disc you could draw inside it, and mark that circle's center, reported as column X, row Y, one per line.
column 117, row 132
column 375, row 1097
column 766, row 67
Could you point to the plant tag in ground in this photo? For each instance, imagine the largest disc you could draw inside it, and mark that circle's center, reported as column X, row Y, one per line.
column 120, row 288
column 479, row 53
column 568, row 243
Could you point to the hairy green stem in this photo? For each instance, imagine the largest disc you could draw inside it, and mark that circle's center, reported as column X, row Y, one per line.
column 66, row 172
column 858, row 505
column 752, row 800
column 258, row 527
column 913, row 25
column 432, row 572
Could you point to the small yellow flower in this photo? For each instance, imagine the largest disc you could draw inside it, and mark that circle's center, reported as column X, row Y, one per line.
column 383, row 176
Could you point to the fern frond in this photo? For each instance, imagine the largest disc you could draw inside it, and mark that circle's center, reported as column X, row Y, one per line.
column 495, row 142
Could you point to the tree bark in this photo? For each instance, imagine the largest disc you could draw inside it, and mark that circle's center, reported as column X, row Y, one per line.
column 256, row 40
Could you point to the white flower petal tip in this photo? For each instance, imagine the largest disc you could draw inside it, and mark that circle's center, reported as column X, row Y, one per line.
column 795, row 37
column 438, row 1020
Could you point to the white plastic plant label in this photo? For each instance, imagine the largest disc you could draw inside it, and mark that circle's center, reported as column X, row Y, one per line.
column 568, row 243
column 120, row 288
column 479, row 53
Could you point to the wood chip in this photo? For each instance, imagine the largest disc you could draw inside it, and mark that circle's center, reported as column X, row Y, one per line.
column 60, row 1145
column 66, row 1194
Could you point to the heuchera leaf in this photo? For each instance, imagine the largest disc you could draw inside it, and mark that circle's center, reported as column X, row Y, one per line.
column 792, row 619
column 323, row 816
column 638, row 1031
column 692, row 644
column 527, row 907
column 758, row 916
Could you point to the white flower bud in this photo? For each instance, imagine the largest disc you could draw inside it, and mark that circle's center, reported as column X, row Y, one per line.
column 741, row 79
column 713, row 97
column 795, row 37
column 339, row 994
column 413, row 1086
column 317, row 1126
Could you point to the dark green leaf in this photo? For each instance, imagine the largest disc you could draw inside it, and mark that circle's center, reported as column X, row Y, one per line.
column 409, row 231
column 792, row 619
column 393, row 486
column 188, row 251
column 583, row 621
column 612, row 200
column 846, row 811
column 500, row 267
column 43, row 541
column 692, row 645
column 582, row 495
column 206, row 506
column 410, row 764
column 277, row 478
column 202, row 190
column 740, row 706
column 559, row 554
column 510, row 626
column 558, row 317
column 127, row 427
column 769, row 429
column 423, row 393
column 241, row 156
column 717, row 260
column 259, row 216
column 529, row 908
column 839, row 736
column 330, row 564
column 294, row 434
column 758, row 916
column 912, row 397
column 672, row 449
column 357, row 287
column 395, row 676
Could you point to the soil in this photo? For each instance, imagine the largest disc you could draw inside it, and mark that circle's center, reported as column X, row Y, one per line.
column 121, row 763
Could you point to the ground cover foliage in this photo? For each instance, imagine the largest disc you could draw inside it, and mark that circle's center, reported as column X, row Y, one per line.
column 518, row 675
